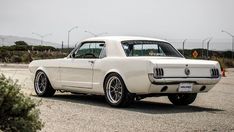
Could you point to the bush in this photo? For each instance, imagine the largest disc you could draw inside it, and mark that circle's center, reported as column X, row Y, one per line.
column 224, row 62
column 26, row 58
column 3, row 55
column 229, row 63
column 17, row 112
column 21, row 43
column 16, row 59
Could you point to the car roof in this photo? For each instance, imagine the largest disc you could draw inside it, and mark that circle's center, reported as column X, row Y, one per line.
column 121, row 38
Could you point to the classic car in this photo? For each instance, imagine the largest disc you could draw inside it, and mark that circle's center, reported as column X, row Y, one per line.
column 124, row 69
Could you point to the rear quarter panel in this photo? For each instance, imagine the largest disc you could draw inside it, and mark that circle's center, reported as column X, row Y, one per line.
column 134, row 72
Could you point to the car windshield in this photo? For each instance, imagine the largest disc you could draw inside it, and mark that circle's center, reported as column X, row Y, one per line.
column 149, row 48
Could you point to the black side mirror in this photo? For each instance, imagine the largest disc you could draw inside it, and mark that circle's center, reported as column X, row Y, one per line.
column 101, row 45
column 73, row 55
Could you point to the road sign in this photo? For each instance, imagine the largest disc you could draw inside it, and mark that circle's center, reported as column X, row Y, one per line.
column 195, row 54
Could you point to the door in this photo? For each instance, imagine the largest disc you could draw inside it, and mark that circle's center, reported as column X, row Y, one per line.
column 77, row 70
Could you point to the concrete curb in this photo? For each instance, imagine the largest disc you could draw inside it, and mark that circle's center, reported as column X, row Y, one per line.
column 13, row 65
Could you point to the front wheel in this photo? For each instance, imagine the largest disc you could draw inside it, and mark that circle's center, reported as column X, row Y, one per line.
column 116, row 93
column 182, row 99
column 42, row 85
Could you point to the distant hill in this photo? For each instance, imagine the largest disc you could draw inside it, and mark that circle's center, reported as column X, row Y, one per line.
column 10, row 40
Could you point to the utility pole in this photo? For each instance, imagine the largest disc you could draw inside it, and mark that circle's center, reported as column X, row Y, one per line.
column 68, row 35
column 208, row 46
column 232, row 40
column 203, row 41
column 183, row 45
column 62, row 45
column 42, row 36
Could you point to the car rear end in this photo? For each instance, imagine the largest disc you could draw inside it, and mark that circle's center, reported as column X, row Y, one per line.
column 183, row 75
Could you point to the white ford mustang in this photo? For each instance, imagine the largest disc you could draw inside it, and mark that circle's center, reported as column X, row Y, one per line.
column 124, row 69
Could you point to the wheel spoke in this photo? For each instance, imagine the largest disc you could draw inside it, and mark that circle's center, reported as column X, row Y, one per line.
column 117, row 96
column 116, row 82
column 41, row 87
column 119, row 89
column 113, row 96
column 112, row 89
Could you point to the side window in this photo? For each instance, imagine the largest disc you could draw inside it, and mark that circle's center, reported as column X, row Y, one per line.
column 103, row 52
column 82, row 51
column 90, row 50
column 127, row 49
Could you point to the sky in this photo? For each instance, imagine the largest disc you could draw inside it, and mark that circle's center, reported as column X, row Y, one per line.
column 173, row 20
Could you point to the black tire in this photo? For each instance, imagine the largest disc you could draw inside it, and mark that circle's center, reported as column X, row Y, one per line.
column 47, row 90
column 183, row 98
column 126, row 98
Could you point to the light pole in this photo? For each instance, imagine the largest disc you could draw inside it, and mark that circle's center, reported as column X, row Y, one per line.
column 208, row 45
column 94, row 34
column 183, row 45
column 203, row 41
column 68, row 35
column 232, row 40
column 42, row 36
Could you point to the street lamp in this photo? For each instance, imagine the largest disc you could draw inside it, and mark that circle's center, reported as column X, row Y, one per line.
column 183, row 45
column 203, row 41
column 232, row 40
column 68, row 35
column 94, row 34
column 208, row 45
column 42, row 36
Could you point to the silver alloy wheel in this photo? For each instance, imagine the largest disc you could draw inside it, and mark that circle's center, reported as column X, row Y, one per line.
column 114, row 89
column 40, row 82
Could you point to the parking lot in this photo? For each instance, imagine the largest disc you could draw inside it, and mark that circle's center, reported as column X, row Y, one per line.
column 212, row 111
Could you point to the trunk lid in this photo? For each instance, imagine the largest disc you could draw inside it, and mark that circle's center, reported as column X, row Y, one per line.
column 180, row 67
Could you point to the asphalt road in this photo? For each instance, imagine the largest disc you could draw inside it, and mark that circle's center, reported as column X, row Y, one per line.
column 212, row 111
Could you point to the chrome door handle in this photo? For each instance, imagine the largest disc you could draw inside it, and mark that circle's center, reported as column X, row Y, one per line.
column 91, row 61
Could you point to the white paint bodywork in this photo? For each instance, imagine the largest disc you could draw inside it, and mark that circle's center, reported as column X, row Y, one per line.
column 79, row 75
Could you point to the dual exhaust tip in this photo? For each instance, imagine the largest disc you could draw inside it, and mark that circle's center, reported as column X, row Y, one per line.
column 165, row 88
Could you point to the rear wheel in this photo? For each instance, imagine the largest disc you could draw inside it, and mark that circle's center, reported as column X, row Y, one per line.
column 116, row 93
column 42, row 85
column 182, row 99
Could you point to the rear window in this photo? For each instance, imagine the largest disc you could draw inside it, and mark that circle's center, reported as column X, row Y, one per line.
column 149, row 48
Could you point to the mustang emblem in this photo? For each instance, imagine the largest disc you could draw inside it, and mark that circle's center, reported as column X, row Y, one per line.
column 186, row 71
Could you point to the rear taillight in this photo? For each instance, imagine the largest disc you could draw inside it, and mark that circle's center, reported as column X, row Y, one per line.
column 158, row 72
column 214, row 72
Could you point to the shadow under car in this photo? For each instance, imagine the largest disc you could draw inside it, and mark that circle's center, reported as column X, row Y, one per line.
column 142, row 106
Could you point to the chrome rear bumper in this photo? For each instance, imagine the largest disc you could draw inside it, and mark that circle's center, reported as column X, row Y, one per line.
column 171, row 85
column 178, row 80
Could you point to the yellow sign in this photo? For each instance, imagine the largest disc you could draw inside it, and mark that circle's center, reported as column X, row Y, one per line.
column 195, row 54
